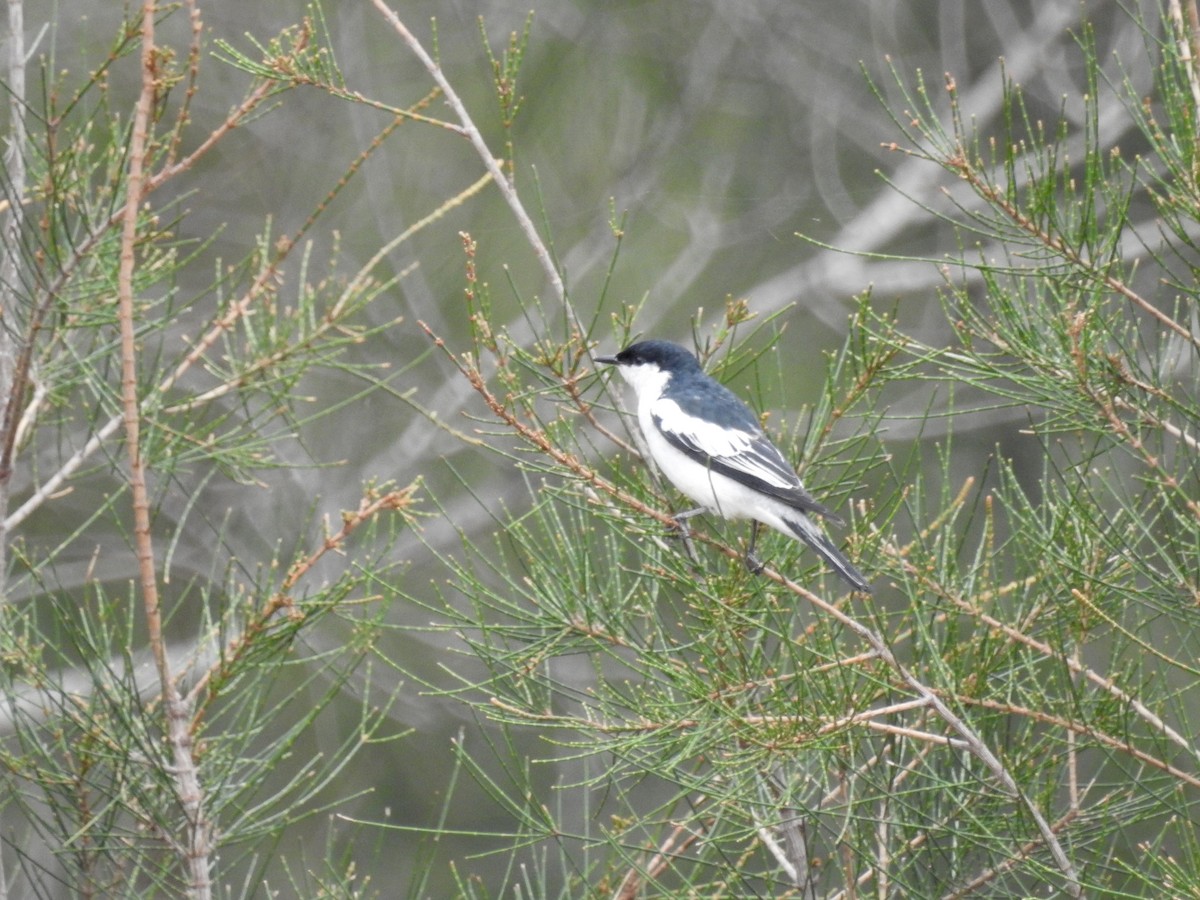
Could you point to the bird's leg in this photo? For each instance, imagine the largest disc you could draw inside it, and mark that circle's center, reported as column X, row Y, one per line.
column 681, row 518
column 753, row 563
column 685, row 533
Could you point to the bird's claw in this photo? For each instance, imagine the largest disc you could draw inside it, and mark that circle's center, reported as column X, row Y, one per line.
column 754, row 564
column 685, row 535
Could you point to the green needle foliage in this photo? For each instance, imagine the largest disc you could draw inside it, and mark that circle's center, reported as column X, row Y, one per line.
column 137, row 750
column 1013, row 714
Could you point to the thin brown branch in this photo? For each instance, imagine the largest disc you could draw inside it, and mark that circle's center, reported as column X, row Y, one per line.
column 731, row 690
column 270, row 272
column 1106, row 685
column 631, row 885
column 329, row 320
column 232, row 121
column 400, row 117
column 183, row 115
column 587, row 410
column 538, row 439
column 1152, row 461
column 1107, row 404
column 129, row 396
column 189, row 792
column 1023, row 852
column 1056, row 244
column 976, row 746
column 404, row 113
column 507, row 188
column 1155, row 421
column 203, row 692
column 1084, row 730
column 865, row 719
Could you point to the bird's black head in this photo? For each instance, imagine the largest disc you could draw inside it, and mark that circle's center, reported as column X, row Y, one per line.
column 661, row 354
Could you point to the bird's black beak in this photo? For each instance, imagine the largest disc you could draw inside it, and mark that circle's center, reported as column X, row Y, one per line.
column 607, row 360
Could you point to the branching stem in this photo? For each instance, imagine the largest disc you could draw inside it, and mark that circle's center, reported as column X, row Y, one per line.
column 507, row 189
column 198, row 847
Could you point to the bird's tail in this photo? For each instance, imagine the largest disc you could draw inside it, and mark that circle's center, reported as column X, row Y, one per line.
column 809, row 532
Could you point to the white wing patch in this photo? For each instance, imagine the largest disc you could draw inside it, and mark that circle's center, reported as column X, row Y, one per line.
column 744, row 452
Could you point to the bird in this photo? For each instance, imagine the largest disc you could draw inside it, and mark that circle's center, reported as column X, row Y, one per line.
column 711, row 447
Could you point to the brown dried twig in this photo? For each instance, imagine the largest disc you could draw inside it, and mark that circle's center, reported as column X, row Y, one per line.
column 507, row 189
column 203, row 692
column 197, row 845
column 631, row 885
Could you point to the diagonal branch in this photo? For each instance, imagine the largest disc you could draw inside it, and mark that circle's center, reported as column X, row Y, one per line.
column 507, row 188
column 975, row 744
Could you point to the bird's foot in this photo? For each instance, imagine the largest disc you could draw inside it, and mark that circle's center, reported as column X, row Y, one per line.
column 685, row 535
column 754, row 564
column 689, row 548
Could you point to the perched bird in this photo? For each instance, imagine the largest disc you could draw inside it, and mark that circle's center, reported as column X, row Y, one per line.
column 709, row 445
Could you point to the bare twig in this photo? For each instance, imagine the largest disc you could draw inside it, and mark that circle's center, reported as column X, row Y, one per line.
column 14, row 163
column 232, row 121
column 631, row 885
column 507, row 188
column 197, row 843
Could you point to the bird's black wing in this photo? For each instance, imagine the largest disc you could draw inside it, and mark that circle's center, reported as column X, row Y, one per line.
column 727, row 439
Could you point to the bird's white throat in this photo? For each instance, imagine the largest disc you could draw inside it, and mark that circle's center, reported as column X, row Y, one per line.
column 647, row 380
